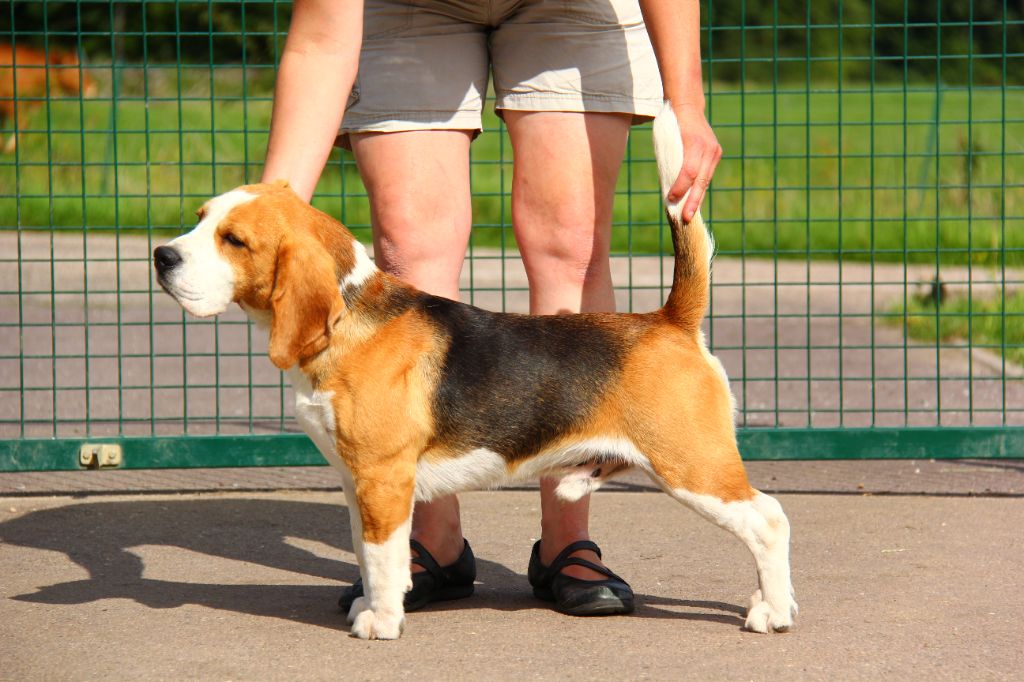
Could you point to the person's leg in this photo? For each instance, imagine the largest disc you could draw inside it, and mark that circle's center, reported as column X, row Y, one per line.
column 566, row 166
column 418, row 185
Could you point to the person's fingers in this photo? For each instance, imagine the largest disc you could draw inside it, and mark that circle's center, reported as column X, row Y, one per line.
column 700, row 186
column 701, row 182
column 701, row 154
column 693, row 153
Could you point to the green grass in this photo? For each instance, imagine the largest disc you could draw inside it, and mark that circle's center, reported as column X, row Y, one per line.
column 858, row 176
column 985, row 322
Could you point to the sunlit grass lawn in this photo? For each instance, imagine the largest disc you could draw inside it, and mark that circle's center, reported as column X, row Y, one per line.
column 984, row 322
column 818, row 176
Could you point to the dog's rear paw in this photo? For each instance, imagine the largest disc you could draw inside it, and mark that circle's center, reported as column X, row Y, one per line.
column 763, row 617
column 359, row 604
column 368, row 624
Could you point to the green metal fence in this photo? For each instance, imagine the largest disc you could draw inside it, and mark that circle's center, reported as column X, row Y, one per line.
column 867, row 298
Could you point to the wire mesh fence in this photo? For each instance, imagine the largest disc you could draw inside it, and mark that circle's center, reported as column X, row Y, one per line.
column 869, row 214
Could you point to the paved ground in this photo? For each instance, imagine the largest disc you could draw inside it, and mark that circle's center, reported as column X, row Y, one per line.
column 241, row 585
column 907, row 569
column 960, row 478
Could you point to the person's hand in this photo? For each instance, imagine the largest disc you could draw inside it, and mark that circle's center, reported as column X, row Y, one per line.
column 701, row 154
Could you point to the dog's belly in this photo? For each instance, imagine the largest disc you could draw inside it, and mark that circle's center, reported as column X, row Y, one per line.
column 478, row 469
column 601, row 457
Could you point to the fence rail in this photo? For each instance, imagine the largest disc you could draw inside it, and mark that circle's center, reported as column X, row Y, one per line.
column 867, row 297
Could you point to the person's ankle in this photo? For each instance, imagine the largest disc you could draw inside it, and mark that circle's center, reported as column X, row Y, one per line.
column 552, row 543
column 437, row 526
column 444, row 545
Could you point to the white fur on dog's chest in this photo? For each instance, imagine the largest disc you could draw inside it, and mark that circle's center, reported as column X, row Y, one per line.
column 314, row 410
column 315, row 414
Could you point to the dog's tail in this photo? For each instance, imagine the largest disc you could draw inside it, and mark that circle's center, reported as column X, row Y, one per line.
column 694, row 247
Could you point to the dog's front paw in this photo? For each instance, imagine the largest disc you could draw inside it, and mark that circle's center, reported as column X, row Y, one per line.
column 377, row 625
column 763, row 617
column 359, row 604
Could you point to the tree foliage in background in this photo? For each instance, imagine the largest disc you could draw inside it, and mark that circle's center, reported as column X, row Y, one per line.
column 185, row 31
column 901, row 38
column 884, row 39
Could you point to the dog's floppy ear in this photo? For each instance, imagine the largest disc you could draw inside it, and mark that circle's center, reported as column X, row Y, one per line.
column 305, row 302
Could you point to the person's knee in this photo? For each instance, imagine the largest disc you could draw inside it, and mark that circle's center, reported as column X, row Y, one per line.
column 571, row 245
column 413, row 241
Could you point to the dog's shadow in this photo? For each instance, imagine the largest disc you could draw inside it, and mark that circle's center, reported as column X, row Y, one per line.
column 278, row 534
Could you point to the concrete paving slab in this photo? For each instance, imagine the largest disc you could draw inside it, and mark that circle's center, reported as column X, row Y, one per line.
column 242, row 586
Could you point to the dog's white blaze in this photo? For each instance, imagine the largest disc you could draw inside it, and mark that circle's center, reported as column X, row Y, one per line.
column 204, row 282
column 361, row 271
column 763, row 527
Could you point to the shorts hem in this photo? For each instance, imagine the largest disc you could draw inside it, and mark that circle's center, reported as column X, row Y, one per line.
column 407, row 121
column 642, row 110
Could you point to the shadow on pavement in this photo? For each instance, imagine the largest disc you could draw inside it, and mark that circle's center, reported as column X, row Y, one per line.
column 99, row 537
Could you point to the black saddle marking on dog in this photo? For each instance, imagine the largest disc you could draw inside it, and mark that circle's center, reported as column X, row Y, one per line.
column 512, row 383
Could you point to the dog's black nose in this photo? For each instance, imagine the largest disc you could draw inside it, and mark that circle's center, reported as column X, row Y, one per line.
column 165, row 258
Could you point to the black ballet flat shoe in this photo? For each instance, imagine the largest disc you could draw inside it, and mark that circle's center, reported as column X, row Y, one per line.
column 436, row 583
column 574, row 596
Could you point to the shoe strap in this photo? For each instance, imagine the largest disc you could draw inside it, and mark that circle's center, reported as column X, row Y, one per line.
column 575, row 547
column 563, row 559
column 427, row 561
column 597, row 568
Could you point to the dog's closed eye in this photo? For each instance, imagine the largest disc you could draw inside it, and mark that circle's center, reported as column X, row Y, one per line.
column 233, row 240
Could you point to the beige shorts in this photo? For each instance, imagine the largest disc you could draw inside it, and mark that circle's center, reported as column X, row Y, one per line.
column 425, row 63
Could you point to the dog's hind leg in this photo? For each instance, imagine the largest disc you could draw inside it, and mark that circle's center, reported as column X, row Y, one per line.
column 691, row 447
column 385, row 520
column 758, row 521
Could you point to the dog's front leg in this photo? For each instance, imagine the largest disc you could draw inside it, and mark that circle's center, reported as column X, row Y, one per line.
column 383, row 519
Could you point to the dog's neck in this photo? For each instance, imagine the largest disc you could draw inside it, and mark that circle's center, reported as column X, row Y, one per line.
column 372, row 298
column 362, row 270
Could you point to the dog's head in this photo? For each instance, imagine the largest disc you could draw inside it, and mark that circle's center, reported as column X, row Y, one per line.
column 283, row 261
column 71, row 78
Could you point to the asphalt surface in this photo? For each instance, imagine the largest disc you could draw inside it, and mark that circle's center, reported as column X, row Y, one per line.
column 139, row 584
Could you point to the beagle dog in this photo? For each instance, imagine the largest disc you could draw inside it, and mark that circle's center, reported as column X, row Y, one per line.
column 413, row 396
column 28, row 76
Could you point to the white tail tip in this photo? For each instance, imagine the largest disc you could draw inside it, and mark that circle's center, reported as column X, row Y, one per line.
column 668, row 150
